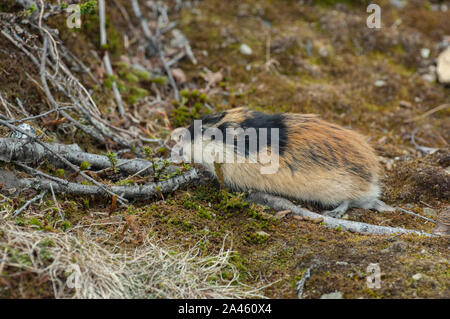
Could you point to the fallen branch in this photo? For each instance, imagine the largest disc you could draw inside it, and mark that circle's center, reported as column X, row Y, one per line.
column 279, row 203
column 12, row 149
column 65, row 161
column 130, row 192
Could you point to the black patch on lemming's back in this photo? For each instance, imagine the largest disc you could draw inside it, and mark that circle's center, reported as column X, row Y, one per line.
column 258, row 120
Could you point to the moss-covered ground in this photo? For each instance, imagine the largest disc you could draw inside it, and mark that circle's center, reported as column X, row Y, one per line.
column 323, row 59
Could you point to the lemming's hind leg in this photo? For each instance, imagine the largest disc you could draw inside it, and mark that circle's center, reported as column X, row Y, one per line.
column 338, row 211
column 381, row 206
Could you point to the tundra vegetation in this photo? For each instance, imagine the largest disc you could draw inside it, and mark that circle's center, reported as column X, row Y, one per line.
column 89, row 199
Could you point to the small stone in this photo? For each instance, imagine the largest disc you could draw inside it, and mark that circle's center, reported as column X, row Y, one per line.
column 399, row 246
column 323, row 52
column 332, row 295
column 443, row 66
column 425, row 53
column 435, row 7
column 405, row 104
column 245, row 49
column 429, row 77
column 341, row 263
column 430, row 212
column 400, row 4
column 417, row 276
column 380, row 83
column 282, row 214
column 262, row 233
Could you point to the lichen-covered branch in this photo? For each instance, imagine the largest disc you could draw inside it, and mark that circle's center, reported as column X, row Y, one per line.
column 30, row 152
column 150, row 190
column 279, row 203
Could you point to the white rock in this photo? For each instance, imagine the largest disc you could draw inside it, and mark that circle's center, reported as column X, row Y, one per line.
column 262, row 233
column 400, row 4
column 417, row 276
column 443, row 66
column 332, row 295
column 245, row 49
column 425, row 53
column 380, row 83
column 323, row 52
column 429, row 77
column 341, row 263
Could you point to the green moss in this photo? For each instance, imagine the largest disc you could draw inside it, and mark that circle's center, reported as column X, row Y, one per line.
column 60, row 172
column 256, row 238
column 35, row 223
column 85, row 165
column 191, row 106
column 88, row 7
column 160, row 80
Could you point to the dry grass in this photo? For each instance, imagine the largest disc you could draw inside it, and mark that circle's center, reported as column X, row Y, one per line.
column 149, row 271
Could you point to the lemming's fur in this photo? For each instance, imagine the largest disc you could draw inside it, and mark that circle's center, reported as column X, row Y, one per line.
column 318, row 161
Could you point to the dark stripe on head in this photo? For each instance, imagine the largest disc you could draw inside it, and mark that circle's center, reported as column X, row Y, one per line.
column 207, row 120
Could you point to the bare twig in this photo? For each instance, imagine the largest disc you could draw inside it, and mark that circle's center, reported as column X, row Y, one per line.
column 301, row 283
column 416, row 215
column 106, row 60
column 423, row 149
column 56, row 203
column 433, row 110
column 155, row 46
column 279, row 203
column 28, row 203
column 30, row 118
